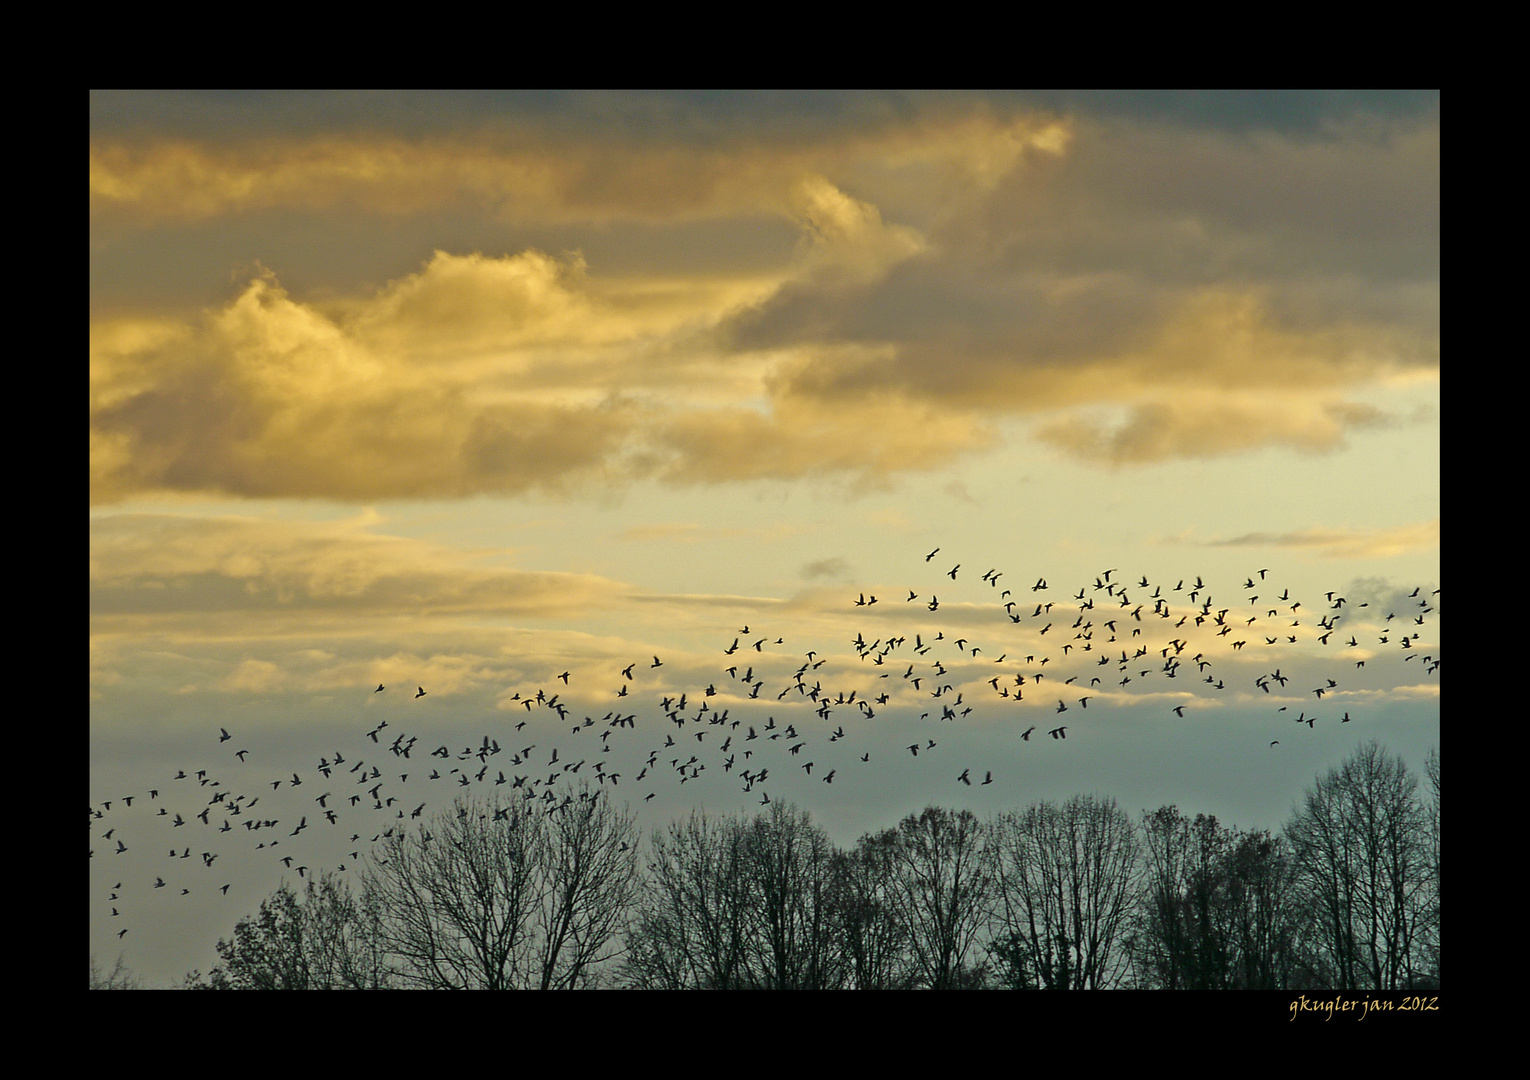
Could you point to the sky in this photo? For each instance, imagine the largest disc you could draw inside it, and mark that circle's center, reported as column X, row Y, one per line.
column 558, row 406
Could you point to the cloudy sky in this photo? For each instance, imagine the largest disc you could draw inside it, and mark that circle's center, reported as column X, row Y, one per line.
column 463, row 392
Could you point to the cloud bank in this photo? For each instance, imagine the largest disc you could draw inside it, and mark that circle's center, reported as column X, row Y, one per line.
column 1135, row 292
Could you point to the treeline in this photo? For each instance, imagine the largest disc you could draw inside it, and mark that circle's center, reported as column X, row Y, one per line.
column 1076, row 895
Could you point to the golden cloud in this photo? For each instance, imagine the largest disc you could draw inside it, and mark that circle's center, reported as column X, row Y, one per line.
column 880, row 347
column 271, row 397
column 156, row 564
column 852, row 245
column 528, row 176
column 502, row 375
column 801, row 437
column 481, row 375
column 1206, row 424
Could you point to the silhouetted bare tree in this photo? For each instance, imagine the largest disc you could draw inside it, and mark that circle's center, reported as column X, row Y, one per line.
column 1431, row 945
column 940, row 890
column 1270, row 947
column 120, row 977
column 1181, row 940
column 790, row 862
column 499, row 894
column 1360, row 840
column 738, row 903
column 589, row 863
column 871, row 932
column 1219, row 909
column 690, row 930
column 323, row 938
column 1066, row 884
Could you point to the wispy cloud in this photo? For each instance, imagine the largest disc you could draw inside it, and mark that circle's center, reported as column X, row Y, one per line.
column 1347, row 543
column 690, row 532
column 162, row 565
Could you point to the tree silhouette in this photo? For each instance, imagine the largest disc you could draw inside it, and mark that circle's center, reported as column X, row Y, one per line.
column 589, row 861
column 120, row 977
column 690, row 927
column 528, row 893
column 1219, row 908
column 497, row 894
column 872, row 934
column 1066, row 885
column 1431, row 948
column 790, row 863
column 1270, row 944
column 1183, row 937
column 738, row 903
column 940, row 890
column 1360, row 840
column 321, row 939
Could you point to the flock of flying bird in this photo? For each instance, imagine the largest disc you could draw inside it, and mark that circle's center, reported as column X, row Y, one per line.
column 1050, row 652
